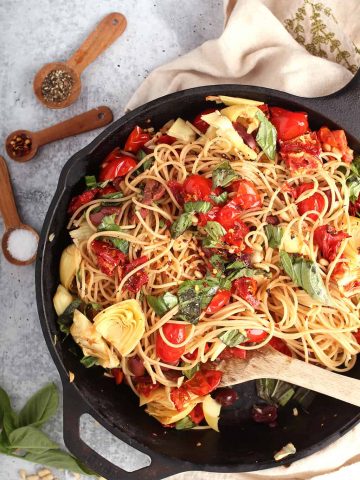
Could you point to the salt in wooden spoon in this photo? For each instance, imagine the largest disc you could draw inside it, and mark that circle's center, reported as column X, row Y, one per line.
column 95, row 118
column 11, row 217
column 106, row 32
column 268, row 363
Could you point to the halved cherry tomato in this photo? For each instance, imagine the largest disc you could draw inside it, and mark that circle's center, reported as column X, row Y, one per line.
column 336, row 141
column 247, row 195
column 145, row 388
column 139, row 278
column 301, row 154
column 164, row 138
column 211, row 215
column 136, row 140
column 246, row 288
column 219, row 300
column 314, row 202
column 174, row 333
column 329, row 241
column 232, row 352
column 118, row 375
column 235, row 235
column 177, row 190
column 197, row 414
column 179, row 396
column 229, row 215
column 289, row 124
column 201, row 124
column 116, row 164
column 203, row 382
column 108, row 256
column 255, row 335
column 197, row 187
column 280, row 346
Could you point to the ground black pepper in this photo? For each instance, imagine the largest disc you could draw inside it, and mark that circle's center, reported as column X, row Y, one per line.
column 20, row 145
column 57, row 86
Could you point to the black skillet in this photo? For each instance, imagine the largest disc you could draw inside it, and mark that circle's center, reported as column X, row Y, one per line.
column 242, row 445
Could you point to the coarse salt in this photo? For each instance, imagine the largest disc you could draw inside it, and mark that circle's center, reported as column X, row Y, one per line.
column 22, row 244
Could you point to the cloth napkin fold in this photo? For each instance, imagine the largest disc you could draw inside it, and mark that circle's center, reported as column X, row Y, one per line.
column 303, row 47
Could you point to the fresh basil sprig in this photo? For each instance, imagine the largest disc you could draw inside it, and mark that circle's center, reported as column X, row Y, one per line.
column 65, row 320
column 266, row 136
column 223, row 175
column 162, row 303
column 215, row 233
column 108, row 225
column 181, row 224
column 89, row 361
column 190, row 372
column 219, row 199
column 194, row 296
column 274, row 235
column 232, row 338
column 197, row 207
column 184, row 424
column 305, row 274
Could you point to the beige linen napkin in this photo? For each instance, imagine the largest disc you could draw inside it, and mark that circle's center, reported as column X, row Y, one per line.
column 304, row 47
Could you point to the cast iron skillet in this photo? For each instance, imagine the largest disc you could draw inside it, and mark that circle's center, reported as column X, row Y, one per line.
column 242, row 445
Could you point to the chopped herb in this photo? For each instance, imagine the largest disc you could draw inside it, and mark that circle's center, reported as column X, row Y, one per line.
column 108, row 225
column 89, row 361
column 266, row 136
column 148, row 163
column 239, row 269
column 194, row 296
column 231, row 338
column 215, row 231
column 190, row 372
column 90, row 181
column 219, row 199
column 198, row 207
column 181, row 224
column 65, row 320
column 223, row 175
column 163, row 303
column 162, row 223
column 274, row 235
column 218, row 262
column 184, row 424
column 113, row 195
column 304, row 397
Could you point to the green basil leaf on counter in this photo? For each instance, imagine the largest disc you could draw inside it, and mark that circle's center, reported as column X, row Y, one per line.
column 40, row 407
column 266, row 136
column 90, row 181
column 65, row 320
column 305, row 274
column 215, row 231
column 197, row 207
column 89, row 361
column 58, row 459
column 190, row 372
column 184, row 424
column 223, row 175
column 274, row 235
column 219, row 199
column 232, row 338
column 163, row 303
column 31, row 439
column 181, row 224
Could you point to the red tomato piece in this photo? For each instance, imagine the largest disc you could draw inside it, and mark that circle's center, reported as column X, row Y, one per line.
column 138, row 279
column 118, row 375
column 210, row 216
column 82, row 199
column 357, row 336
column 177, row 190
column 336, row 141
column 280, row 346
column 219, row 300
column 232, row 352
column 265, row 109
column 203, row 382
column 164, row 138
column 200, row 124
column 329, row 241
column 116, row 164
column 354, row 208
column 288, row 124
column 247, row 195
column 197, row 414
column 108, row 256
column 314, row 202
column 96, row 218
column 308, row 143
column 136, row 140
column 174, row 333
column 229, row 215
column 179, row 396
column 197, row 188
column 146, row 388
column 255, row 335
column 235, row 235
column 246, row 288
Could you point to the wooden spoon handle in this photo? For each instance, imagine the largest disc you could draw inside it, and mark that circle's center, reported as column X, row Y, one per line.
column 95, row 118
column 7, row 201
column 106, row 32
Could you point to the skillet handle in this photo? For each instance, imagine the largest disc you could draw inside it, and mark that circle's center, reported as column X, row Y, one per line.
column 73, row 409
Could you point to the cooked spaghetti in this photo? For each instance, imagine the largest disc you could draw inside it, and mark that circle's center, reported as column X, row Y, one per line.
column 207, row 239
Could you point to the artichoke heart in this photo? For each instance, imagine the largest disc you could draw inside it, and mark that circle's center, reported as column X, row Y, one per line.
column 69, row 265
column 90, row 341
column 233, row 100
column 62, row 300
column 122, row 325
column 247, row 112
column 165, row 413
column 351, row 270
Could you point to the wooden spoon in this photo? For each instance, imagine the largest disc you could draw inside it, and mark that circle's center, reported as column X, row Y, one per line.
column 268, row 363
column 95, row 118
column 106, row 32
column 11, row 217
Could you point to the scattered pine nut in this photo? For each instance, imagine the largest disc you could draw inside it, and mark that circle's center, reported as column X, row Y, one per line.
column 32, row 477
column 43, row 472
column 71, row 378
column 295, row 412
column 48, row 477
column 22, row 474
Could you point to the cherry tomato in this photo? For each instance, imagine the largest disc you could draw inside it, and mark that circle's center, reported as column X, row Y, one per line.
column 329, row 241
column 308, row 143
column 146, row 388
column 357, row 336
column 179, row 396
column 200, row 124
column 255, row 335
column 246, row 288
column 280, row 346
column 247, row 195
column 211, row 215
column 354, row 207
column 288, row 124
column 314, row 202
column 116, row 164
column 194, row 354
column 229, row 215
column 197, row 414
column 174, row 333
column 197, row 187
column 220, row 299
column 177, row 190
column 136, row 140
column 235, row 235
column 164, row 138
column 80, row 200
column 108, row 256
column 336, row 141
column 203, row 382
column 232, row 352
column 118, row 375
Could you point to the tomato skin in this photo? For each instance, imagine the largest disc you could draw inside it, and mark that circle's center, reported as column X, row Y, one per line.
column 80, row 200
column 280, row 346
column 329, row 241
column 289, row 124
column 197, row 414
column 118, row 375
column 255, row 335
column 116, row 164
column 235, row 236
column 232, row 352
column 145, row 388
column 177, row 190
column 354, row 207
column 193, row 355
column 314, row 202
column 136, row 140
column 246, row 288
column 175, row 333
column 335, row 140
column 164, row 138
column 179, row 396
column 301, row 154
column 139, row 278
column 203, row 382
column 200, row 124
column 229, row 215
column 247, row 195
column 108, row 256
column 211, row 215
column 220, row 299
column 197, row 187
column 357, row 336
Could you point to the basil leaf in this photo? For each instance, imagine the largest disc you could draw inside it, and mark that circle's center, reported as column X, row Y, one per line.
column 266, row 136
column 65, row 320
column 274, row 235
column 113, row 195
column 108, row 225
column 355, row 166
column 304, row 397
column 40, row 407
column 223, row 175
column 305, row 274
column 215, row 231
column 239, row 269
column 238, row 264
column 190, row 372
column 181, row 224
column 231, row 338
column 275, row 392
column 163, row 303
column 5, row 405
column 121, row 244
column 89, row 361
column 354, row 188
column 198, row 207
column 218, row 262
column 90, row 181
column 58, row 459
column 219, row 199
column 31, row 439
column 194, row 296
column 148, row 163
column 184, row 424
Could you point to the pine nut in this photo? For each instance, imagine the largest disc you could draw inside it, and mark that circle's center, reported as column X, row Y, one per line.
column 44, row 472
column 22, row 474
column 32, row 477
column 48, row 477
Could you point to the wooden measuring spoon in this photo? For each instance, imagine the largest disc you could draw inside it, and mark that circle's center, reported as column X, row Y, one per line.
column 268, row 363
column 95, row 118
column 106, row 32
column 11, row 217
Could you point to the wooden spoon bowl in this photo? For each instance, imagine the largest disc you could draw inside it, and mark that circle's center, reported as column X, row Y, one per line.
column 5, row 240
